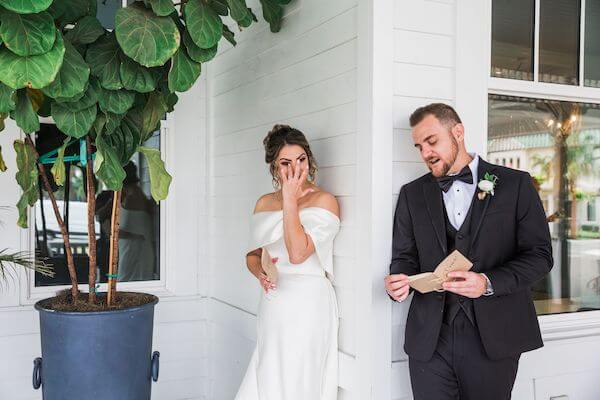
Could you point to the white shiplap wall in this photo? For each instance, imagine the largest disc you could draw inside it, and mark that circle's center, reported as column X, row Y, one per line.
column 180, row 324
column 304, row 76
column 423, row 72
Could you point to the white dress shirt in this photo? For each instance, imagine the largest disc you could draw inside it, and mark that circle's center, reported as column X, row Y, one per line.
column 457, row 199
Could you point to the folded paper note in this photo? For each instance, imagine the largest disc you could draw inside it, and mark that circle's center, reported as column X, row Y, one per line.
column 268, row 266
column 430, row 281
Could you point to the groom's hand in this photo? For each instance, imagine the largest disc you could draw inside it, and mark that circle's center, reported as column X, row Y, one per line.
column 466, row 283
column 397, row 286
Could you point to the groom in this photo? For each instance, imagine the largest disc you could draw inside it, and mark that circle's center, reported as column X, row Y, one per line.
column 465, row 343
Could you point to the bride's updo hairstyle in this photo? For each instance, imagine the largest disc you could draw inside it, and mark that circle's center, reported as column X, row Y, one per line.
column 276, row 139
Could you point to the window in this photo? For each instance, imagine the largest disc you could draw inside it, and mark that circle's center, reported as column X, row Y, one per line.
column 512, row 39
column 550, row 41
column 139, row 236
column 558, row 143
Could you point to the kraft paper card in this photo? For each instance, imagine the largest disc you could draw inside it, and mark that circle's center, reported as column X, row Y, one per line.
column 268, row 266
column 430, row 281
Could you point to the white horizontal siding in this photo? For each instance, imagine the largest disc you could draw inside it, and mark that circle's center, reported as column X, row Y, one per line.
column 304, row 76
column 423, row 73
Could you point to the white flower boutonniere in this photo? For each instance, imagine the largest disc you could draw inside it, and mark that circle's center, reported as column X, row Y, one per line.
column 487, row 185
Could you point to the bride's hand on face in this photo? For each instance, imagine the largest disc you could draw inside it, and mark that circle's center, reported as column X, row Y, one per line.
column 292, row 181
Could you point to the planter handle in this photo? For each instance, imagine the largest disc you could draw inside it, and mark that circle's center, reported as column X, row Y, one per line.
column 155, row 365
column 37, row 373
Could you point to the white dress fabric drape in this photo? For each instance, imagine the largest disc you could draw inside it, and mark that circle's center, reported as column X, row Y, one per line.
column 296, row 354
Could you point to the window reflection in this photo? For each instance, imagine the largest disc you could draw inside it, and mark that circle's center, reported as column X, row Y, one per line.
column 558, row 143
column 559, row 41
column 139, row 236
column 512, row 39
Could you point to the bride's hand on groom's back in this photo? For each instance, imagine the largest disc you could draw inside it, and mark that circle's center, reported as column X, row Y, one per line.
column 397, row 286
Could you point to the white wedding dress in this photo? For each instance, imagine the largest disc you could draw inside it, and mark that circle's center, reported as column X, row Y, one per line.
column 296, row 354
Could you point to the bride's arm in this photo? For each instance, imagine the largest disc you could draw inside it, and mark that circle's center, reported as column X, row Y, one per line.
column 253, row 263
column 299, row 244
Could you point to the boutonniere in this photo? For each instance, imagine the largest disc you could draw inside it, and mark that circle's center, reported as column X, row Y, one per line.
column 487, row 185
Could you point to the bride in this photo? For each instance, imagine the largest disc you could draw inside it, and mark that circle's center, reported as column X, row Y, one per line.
column 292, row 230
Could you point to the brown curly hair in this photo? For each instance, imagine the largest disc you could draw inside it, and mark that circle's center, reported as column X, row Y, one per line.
column 279, row 136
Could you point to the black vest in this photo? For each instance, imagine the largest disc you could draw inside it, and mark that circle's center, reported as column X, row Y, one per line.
column 461, row 241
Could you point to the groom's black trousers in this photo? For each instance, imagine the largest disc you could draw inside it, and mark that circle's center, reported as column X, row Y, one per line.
column 460, row 368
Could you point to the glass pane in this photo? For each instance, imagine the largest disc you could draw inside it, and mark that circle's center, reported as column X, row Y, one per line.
column 592, row 43
column 558, row 143
column 139, row 236
column 559, row 41
column 512, row 39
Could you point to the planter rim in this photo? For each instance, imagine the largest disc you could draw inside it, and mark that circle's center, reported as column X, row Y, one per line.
column 38, row 306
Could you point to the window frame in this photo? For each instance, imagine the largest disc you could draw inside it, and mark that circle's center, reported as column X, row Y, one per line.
column 31, row 293
column 540, row 89
column 473, row 85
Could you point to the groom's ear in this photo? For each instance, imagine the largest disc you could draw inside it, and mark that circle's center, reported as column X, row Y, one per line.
column 458, row 131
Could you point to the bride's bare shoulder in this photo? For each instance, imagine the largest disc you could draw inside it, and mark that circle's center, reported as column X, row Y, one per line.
column 325, row 200
column 266, row 202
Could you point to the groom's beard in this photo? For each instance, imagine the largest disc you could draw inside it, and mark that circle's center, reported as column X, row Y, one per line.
column 445, row 166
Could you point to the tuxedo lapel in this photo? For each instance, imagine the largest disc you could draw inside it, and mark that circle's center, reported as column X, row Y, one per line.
column 480, row 206
column 434, row 203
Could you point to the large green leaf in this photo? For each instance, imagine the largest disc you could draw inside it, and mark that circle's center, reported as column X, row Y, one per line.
column 107, row 165
column 87, row 30
column 24, row 115
column 32, row 71
column 112, row 122
column 136, row 77
column 89, row 98
column 72, row 122
column 220, row 7
column 104, row 58
column 72, row 76
column 160, row 180
column 229, row 35
column 145, row 37
column 272, row 13
column 239, row 10
column 196, row 53
column 26, row 6
column 203, row 23
column 126, row 138
column 7, row 98
column 2, row 163
column 184, row 71
column 116, row 101
column 27, row 178
column 27, row 34
column 70, row 11
column 162, row 7
column 58, row 169
column 154, row 110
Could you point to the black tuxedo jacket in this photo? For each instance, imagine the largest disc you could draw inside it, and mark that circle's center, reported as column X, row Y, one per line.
column 510, row 243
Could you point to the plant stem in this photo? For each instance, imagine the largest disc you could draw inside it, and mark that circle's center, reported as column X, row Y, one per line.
column 91, row 205
column 113, row 267
column 61, row 223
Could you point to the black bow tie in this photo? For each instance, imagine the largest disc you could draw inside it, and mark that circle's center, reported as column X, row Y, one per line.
column 464, row 175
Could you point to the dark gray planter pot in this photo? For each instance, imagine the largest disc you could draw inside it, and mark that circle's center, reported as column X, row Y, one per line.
column 96, row 355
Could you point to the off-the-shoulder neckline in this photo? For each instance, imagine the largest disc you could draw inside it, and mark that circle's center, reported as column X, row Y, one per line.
column 302, row 209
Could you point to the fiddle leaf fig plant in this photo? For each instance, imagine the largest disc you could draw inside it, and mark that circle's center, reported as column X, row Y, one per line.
column 106, row 88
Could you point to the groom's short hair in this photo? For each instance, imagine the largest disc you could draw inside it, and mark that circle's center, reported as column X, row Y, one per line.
column 443, row 112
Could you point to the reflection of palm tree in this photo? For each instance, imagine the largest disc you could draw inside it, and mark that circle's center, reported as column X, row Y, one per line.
column 543, row 165
column 9, row 261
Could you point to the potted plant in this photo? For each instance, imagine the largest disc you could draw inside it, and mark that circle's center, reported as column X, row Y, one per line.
column 108, row 89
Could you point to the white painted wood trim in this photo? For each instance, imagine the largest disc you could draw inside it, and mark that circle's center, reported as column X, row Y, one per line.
column 374, row 180
column 473, row 49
